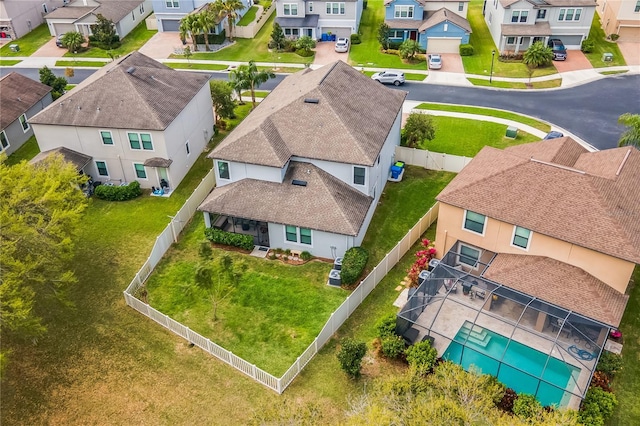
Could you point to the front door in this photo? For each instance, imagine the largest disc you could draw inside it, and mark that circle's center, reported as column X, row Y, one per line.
column 413, row 35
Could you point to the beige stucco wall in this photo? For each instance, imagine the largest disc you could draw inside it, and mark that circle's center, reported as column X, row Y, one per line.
column 498, row 238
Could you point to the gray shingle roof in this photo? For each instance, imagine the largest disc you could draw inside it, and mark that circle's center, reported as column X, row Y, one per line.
column 325, row 203
column 148, row 97
column 349, row 123
column 591, row 199
column 444, row 15
column 71, row 12
column 17, row 94
column 78, row 159
column 115, row 10
column 538, row 29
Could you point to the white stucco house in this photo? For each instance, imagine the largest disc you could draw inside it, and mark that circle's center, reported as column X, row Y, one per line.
column 305, row 170
column 136, row 118
column 19, row 17
column 319, row 20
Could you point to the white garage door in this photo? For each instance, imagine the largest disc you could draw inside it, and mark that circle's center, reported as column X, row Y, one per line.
column 170, row 25
column 339, row 32
column 443, row 45
column 629, row 34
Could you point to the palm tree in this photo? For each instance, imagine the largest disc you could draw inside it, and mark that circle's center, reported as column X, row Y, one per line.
column 239, row 81
column 229, row 9
column 72, row 41
column 189, row 25
column 255, row 78
column 631, row 136
column 206, row 20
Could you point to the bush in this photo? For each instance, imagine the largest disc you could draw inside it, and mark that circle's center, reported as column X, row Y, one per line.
column 115, row 42
column 597, row 407
column 350, row 356
column 614, row 37
column 213, row 38
column 508, row 399
column 511, row 57
column 353, row 263
column 119, row 193
column 601, row 380
column 588, row 45
column 466, row 50
column 392, row 346
column 219, row 236
column 304, row 53
column 355, row 39
column 609, row 363
column 364, row 4
column 305, row 255
column 526, row 407
column 386, row 326
column 422, row 357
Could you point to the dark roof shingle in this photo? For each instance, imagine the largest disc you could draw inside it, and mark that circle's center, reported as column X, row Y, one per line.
column 17, row 94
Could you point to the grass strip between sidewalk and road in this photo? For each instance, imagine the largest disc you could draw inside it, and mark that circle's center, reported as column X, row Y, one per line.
column 546, row 84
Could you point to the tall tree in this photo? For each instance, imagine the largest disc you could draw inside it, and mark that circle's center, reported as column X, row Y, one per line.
column 206, row 20
column 222, row 97
column 189, row 25
column 104, row 31
column 57, row 84
column 255, row 78
column 417, row 129
column 277, row 37
column 384, row 31
column 229, row 9
column 408, row 49
column 40, row 212
column 631, row 136
column 239, row 81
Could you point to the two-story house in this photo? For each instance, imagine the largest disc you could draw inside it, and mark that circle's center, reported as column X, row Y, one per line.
column 79, row 15
column 517, row 24
column 621, row 17
column 20, row 99
column 136, row 118
column 439, row 26
column 538, row 243
column 305, row 170
column 168, row 13
column 319, row 20
column 18, row 17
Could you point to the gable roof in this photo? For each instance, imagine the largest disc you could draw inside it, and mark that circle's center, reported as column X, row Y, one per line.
column 555, row 188
column 349, row 123
column 113, row 10
column 420, row 2
column 559, row 283
column 445, row 15
column 540, row 4
column 325, row 203
column 17, row 95
column 133, row 93
column 78, row 159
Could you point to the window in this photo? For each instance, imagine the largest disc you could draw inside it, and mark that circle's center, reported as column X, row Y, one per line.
column 133, row 15
column 102, row 168
column 292, row 32
column 310, row 6
column 135, row 138
column 4, row 142
column 172, row 4
column 469, row 256
column 637, row 9
column 521, row 237
column 292, row 233
column 290, row 9
column 107, row 138
column 403, row 12
column 511, row 40
column 542, row 13
column 396, row 34
column 141, row 173
column 359, row 174
column 569, row 14
column 295, row 234
column 519, row 15
column 223, row 170
column 335, row 8
column 474, row 222
column 142, row 8
column 460, row 6
column 186, row 146
column 305, row 236
column 44, row 8
column 23, row 122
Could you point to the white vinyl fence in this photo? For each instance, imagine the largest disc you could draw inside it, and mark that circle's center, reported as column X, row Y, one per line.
column 252, row 29
column 432, row 160
column 338, row 317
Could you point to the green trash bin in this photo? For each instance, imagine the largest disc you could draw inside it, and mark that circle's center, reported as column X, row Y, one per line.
column 512, row 132
column 14, row 47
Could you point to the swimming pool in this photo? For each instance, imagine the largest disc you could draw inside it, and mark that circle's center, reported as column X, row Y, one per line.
column 522, row 368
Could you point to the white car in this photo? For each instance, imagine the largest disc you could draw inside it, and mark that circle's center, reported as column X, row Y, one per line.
column 342, row 45
column 389, row 77
column 435, row 62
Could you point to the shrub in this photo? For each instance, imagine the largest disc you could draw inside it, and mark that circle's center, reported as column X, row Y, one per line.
column 353, row 263
column 511, row 57
column 364, row 4
column 537, row 55
column 408, row 49
column 213, row 38
column 355, row 39
column 287, row 252
column 588, row 45
column 305, row 255
column 422, row 357
column 609, row 363
column 386, row 326
column 350, row 356
column 466, row 50
column 508, row 399
column 526, row 407
column 119, row 193
column 614, row 37
column 304, row 53
column 392, row 346
column 597, row 407
column 601, row 381
column 219, row 236
column 422, row 261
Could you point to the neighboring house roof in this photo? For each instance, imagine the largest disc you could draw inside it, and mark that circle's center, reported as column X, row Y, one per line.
column 306, row 21
column 135, row 92
column 17, row 95
column 538, row 29
column 403, row 24
column 556, row 188
column 349, row 123
column 445, row 15
column 325, row 203
column 114, row 10
column 74, row 12
column 76, row 158
column 157, row 162
column 420, row 2
column 559, row 283
column 541, row 4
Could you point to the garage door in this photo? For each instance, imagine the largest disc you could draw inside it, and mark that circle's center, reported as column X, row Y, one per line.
column 170, row 25
column 443, row 45
column 629, row 34
column 63, row 28
column 339, row 32
column 570, row 41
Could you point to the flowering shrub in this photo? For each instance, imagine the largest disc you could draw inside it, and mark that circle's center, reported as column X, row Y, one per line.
column 422, row 261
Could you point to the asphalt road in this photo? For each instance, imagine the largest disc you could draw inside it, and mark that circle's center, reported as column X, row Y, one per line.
column 589, row 111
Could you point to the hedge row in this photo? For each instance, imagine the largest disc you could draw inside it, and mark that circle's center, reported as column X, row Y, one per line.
column 353, row 264
column 229, row 238
column 118, row 193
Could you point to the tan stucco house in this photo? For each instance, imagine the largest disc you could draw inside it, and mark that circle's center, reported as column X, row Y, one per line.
column 621, row 17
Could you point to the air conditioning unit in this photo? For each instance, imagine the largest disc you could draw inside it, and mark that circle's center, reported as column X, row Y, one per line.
column 337, row 263
column 334, row 278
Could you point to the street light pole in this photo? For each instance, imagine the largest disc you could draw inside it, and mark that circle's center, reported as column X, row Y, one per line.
column 493, row 55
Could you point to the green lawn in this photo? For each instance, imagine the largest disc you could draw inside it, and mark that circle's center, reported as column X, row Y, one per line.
column 603, row 45
column 258, row 93
column 26, row 152
column 516, row 85
column 96, row 64
column 248, row 17
column 28, row 43
column 368, row 53
column 133, row 41
column 9, row 62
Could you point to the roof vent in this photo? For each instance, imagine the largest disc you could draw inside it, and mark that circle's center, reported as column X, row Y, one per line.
column 311, row 100
column 131, row 70
column 299, row 182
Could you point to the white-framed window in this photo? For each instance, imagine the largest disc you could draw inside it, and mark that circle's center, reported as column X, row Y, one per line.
column 396, row 34
column 460, row 6
column 24, row 123
column 542, row 13
column 102, row 168
column 107, row 137
column 335, row 8
column 298, row 235
column 359, row 175
column 474, row 222
column 292, row 32
column 4, row 142
column 140, row 141
column 186, row 147
column 521, row 237
column 511, row 40
column 45, row 9
column 172, row 4
column 445, row 27
column 570, row 14
column 519, row 15
column 310, row 6
column 468, row 255
column 290, row 9
column 637, row 9
column 403, row 12
column 223, row 170
column 133, row 15
column 141, row 8
column 141, row 172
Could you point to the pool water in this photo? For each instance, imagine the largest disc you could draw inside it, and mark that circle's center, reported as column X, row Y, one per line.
column 523, row 369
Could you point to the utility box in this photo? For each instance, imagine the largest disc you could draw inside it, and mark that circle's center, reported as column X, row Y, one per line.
column 607, row 57
column 512, row 132
column 14, row 47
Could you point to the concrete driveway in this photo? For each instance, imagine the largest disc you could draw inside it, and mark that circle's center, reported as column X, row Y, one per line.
column 326, row 54
column 575, row 61
column 50, row 50
column 451, row 62
column 631, row 52
column 161, row 45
